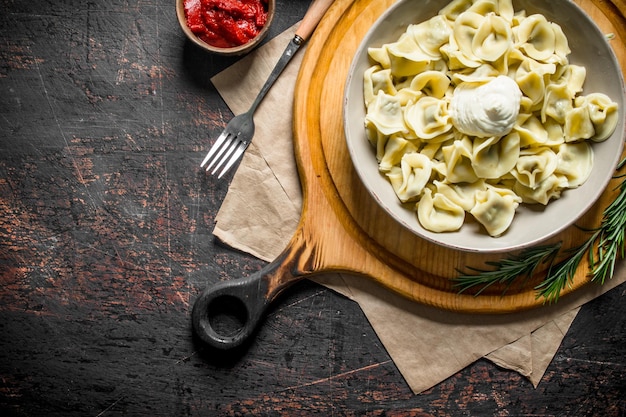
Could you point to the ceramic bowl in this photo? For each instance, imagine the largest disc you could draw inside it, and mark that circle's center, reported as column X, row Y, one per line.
column 236, row 50
column 531, row 224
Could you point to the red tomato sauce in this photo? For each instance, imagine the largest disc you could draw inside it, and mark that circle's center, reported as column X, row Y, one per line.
column 226, row 23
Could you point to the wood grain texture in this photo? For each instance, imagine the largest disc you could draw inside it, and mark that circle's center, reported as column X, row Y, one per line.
column 105, row 241
column 365, row 240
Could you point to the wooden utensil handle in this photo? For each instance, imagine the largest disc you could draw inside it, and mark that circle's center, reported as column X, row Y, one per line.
column 312, row 18
column 249, row 296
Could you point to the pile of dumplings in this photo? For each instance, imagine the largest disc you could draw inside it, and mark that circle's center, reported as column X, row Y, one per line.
column 443, row 173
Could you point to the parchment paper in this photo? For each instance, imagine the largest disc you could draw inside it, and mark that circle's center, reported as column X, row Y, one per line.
column 261, row 211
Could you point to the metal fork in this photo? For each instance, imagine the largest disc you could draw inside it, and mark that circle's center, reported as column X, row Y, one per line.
column 238, row 134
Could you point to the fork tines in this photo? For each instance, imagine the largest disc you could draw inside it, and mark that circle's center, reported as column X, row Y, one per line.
column 226, row 150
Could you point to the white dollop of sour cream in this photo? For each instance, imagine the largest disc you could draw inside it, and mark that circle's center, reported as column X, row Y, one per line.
column 488, row 110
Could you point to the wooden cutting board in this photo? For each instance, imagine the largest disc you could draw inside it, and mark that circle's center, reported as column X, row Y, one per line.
column 343, row 228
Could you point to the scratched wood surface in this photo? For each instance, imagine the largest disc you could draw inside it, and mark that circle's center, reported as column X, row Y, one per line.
column 105, row 241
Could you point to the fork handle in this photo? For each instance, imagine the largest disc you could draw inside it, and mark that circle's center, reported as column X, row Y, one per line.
column 307, row 26
column 250, row 296
column 312, row 17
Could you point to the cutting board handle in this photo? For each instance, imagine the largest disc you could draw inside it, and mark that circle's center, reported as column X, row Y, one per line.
column 247, row 299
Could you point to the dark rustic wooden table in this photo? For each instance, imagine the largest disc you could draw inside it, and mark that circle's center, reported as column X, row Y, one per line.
column 105, row 241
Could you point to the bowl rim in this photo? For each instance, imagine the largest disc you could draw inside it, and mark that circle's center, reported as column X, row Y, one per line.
column 235, row 50
column 369, row 181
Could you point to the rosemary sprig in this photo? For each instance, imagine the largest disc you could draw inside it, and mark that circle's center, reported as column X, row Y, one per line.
column 611, row 234
column 508, row 270
column 562, row 274
column 604, row 247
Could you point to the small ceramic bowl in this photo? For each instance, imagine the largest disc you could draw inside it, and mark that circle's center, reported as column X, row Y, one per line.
column 236, row 50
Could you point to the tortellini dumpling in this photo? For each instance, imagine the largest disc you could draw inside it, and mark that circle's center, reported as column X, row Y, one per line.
column 458, row 161
column 432, row 83
column 578, row 125
column 431, row 35
column 494, row 157
column 542, row 40
column 406, row 58
column 547, row 190
column 464, row 31
column 428, row 117
column 438, row 214
column 602, row 112
column 463, row 194
column 386, row 114
column 440, row 156
column 534, row 133
column 394, row 150
column 495, row 209
column 573, row 76
column 575, row 161
column 410, row 179
column 534, row 167
column 531, row 78
column 377, row 79
column 492, row 39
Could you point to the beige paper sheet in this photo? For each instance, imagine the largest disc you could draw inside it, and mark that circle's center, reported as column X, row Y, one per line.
column 261, row 211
